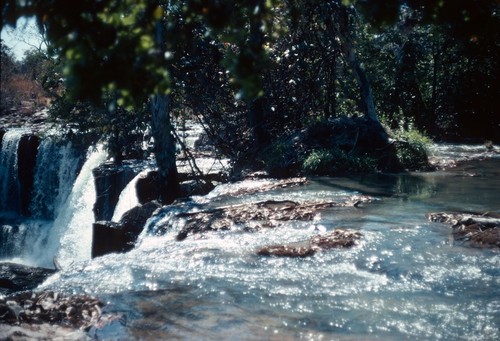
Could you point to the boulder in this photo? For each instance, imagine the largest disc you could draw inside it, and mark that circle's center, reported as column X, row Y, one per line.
column 109, row 237
column 18, row 277
column 110, row 180
column 339, row 238
column 193, row 187
column 26, row 156
column 148, row 187
column 478, row 230
column 135, row 218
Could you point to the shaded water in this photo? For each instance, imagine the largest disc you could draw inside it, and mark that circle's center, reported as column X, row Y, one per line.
column 407, row 280
column 10, row 187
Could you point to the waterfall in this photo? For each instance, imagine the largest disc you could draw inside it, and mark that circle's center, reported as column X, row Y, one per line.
column 128, row 197
column 55, row 171
column 9, row 180
column 71, row 235
column 25, row 243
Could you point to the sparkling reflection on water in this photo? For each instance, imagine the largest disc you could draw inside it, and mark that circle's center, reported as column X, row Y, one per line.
column 408, row 278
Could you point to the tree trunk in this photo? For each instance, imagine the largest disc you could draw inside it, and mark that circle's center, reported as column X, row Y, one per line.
column 164, row 147
column 347, row 47
column 255, row 113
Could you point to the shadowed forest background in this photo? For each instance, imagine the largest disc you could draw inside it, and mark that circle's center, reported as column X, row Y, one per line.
column 267, row 79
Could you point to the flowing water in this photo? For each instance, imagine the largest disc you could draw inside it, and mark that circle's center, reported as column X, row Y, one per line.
column 128, row 198
column 407, row 280
column 63, row 196
column 56, row 169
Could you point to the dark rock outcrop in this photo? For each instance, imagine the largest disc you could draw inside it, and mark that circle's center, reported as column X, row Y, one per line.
column 135, row 218
column 26, row 156
column 49, row 307
column 193, row 187
column 110, row 180
column 478, row 230
column 18, row 277
column 148, row 187
column 109, row 237
column 337, row 239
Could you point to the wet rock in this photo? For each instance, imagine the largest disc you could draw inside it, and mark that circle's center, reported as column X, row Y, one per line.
column 193, row 187
column 109, row 237
column 270, row 186
column 43, row 331
column 30, row 308
column 135, row 218
column 296, row 250
column 26, row 156
column 339, row 238
column 18, row 277
column 253, row 217
column 478, row 230
column 148, row 187
column 110, row 180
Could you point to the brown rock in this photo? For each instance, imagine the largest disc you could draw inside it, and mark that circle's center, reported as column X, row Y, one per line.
column 271, row 213
column 479, row 230
column 337, row 239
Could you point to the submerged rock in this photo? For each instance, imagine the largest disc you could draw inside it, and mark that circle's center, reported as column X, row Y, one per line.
column 18, row 277
column 255, row 216
column 479, row 230
column 337, row 239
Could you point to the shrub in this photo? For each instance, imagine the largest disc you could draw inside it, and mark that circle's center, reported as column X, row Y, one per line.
column 319, row 162
column 336, row 162
column 412, row 149
column 280, row 158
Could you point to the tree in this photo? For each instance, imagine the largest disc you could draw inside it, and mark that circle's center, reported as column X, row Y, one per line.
column 123, row 47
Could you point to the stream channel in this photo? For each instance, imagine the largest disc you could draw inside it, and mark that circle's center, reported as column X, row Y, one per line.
column 407, row 279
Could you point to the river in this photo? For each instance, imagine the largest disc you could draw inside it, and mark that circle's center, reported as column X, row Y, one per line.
column 408, row 279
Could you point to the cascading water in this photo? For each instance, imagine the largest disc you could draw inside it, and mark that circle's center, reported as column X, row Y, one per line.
column 61, row 207
column 71, row 236
column 56, row 169
column 9, row 181
column 406, row 280
column 128, row 197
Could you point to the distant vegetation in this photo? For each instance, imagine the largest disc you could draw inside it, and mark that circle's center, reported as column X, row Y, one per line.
column 258, row 73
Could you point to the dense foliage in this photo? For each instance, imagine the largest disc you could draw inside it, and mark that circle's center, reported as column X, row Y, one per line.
column 257, row 74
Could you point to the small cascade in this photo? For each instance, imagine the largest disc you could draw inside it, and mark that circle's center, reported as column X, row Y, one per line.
column 55, row 171
column 26, row 241
column 71, row 236
column 128, row 197
column 10, row 187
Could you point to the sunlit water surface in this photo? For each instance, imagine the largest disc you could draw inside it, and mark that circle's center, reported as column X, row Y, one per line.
column 407, row 280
